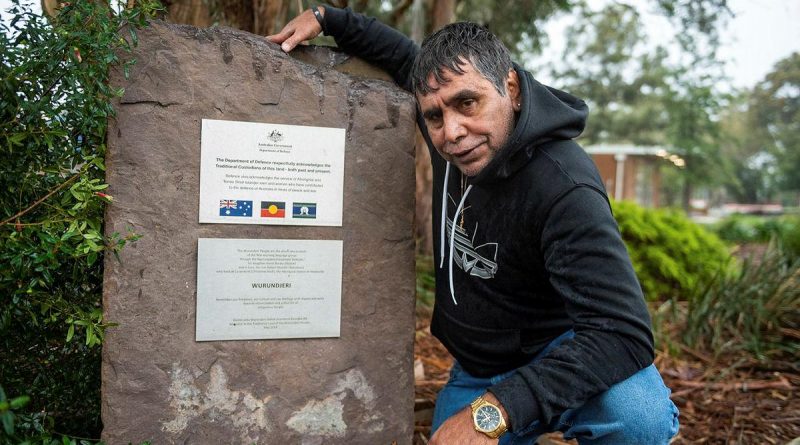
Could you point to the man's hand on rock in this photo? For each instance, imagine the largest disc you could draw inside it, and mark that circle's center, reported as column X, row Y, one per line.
column 303, row 27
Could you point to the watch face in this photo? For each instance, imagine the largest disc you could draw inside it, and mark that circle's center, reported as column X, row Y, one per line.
column 487, row 417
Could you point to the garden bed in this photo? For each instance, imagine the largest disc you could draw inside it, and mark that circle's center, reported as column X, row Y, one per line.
column 736, row 401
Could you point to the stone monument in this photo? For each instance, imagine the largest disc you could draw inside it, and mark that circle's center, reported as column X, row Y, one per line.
column 160, row 384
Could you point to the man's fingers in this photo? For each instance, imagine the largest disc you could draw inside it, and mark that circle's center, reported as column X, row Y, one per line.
column 280, row 37
column 302, row 27
column 288, row 38
column 291, row 42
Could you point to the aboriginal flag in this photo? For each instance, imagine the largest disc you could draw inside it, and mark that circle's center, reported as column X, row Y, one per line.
column 273, row 209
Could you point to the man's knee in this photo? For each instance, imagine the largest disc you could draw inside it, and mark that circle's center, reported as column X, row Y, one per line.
column 635, row 411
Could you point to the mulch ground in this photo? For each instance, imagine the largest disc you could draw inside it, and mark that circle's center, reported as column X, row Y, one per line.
column 741, row 402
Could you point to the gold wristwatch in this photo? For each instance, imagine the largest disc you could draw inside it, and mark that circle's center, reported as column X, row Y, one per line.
column 487, row 418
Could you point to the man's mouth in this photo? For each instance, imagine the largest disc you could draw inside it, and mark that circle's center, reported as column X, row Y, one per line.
column 464, row 154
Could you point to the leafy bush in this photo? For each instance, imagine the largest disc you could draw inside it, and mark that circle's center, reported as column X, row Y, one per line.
column 54, row 108
column 784, row 230
column 756, row 310
column 28, row 429
column 670, row 253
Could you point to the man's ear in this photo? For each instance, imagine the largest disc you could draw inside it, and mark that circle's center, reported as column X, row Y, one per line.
column 513, row 88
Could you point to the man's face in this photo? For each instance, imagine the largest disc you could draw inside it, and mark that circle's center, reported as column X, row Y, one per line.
column 467, row 119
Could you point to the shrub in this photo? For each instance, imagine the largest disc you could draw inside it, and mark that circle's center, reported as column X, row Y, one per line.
column 670, row 253
column 756, row 310
column 790, row 237
column 54, row 108
column 744, row 229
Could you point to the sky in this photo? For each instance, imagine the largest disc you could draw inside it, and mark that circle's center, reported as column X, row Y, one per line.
column 761, row 33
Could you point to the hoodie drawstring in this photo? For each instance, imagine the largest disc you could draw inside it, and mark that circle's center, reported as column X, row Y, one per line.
column 452, row 231
column 444, row 214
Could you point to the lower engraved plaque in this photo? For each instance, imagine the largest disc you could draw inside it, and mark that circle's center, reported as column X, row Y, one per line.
column 251, row 289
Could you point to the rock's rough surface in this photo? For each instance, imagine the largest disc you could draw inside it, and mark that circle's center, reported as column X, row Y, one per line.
column 161, row 385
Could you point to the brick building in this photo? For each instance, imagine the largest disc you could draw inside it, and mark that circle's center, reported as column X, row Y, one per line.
column 631, row 172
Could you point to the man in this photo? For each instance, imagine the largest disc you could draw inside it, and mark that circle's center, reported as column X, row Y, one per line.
column 536, row 297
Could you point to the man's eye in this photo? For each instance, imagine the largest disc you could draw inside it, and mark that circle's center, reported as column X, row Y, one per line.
column 433, row 121
column 468, row 104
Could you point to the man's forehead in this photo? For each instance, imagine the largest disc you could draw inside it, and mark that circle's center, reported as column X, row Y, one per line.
column 445, row 75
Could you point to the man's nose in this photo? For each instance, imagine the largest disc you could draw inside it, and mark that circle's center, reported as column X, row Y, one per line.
column 454, row 129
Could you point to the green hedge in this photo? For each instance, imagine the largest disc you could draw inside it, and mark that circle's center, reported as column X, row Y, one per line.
column 670, row 253
column 784, row 230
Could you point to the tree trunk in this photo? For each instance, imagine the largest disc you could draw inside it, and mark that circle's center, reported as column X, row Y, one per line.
column 262, row 17
column 687, row 194
column 190, row 12
column 234, row 13
column 269, row 16
column 418, row 21
column 423, row 222
column 444, row 13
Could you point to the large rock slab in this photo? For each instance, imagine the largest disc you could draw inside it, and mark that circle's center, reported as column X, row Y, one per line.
column 161, row 385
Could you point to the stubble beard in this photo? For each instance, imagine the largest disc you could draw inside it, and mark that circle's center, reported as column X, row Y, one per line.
column 493, row 148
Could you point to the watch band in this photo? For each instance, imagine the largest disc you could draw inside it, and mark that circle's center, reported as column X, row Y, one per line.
column 320, row 18
column 476, row 403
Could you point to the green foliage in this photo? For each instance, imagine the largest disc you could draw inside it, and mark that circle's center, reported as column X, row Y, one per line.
column 750, row 174
column 753, row 310
column 663, row 96
column 32, row 429
column 761, row 138
column 7, row 408
column 519, row 24
column 54, row 106
column 784, row 230
column 670, row 253
column 775, row 113
column 601, row 51
column 699, row 24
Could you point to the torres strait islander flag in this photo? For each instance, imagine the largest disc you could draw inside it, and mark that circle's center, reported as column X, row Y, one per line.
column 305, row 210
column 273, row 209
column 232, row 207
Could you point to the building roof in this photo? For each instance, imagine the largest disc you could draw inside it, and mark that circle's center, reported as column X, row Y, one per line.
column 626, row 149
column 638, row 150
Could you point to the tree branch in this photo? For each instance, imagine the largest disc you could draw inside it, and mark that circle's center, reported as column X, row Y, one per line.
column 43, row 199
column 399, row 11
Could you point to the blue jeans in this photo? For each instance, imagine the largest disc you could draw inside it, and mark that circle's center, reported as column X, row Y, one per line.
column 636, row 411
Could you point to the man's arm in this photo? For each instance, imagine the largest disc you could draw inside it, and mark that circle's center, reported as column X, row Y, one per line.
column 589, row 267
column 356, row 34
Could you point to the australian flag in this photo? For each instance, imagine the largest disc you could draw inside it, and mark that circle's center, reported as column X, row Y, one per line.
column 229, row 207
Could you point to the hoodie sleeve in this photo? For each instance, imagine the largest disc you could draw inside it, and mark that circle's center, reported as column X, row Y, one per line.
column 588, row 265
column 371, row 40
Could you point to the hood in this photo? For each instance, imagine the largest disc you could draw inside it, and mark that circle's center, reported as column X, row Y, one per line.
column 547, row 114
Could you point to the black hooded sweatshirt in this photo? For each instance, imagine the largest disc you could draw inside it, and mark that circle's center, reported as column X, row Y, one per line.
column 535, row 251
